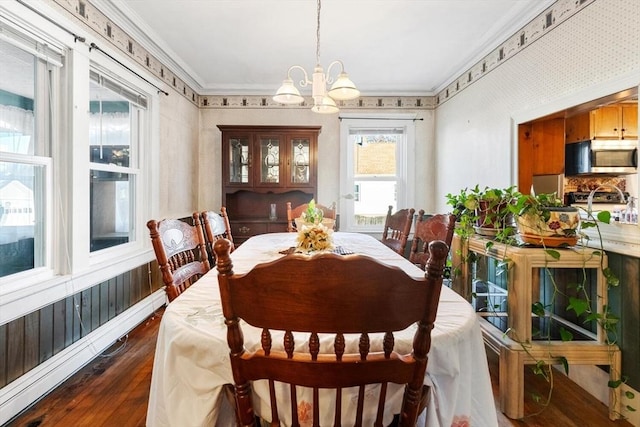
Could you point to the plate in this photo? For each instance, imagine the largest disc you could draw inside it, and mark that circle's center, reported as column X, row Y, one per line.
column 549, row 241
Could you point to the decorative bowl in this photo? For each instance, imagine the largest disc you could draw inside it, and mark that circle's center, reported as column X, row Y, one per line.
column 557, row 227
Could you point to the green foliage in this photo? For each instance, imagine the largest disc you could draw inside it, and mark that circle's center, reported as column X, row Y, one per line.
column 565, row 364
column 578, row 305
column 538, row 309
column 530, row 204
column 487, row 208
column 604, row 216
column 566, row 335
column 553, row 253
column 313, row 214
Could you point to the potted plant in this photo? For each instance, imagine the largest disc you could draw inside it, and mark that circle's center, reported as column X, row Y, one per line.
column 486, row 212
column 313, row 215
column 543, row 220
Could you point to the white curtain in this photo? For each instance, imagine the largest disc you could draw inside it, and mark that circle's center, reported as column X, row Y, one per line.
column 109, row 129
column 16, row 130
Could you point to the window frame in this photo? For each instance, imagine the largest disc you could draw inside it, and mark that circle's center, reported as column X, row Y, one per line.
column 138, row 119
column 405, row 164
column 143, row 199
column 48, row 60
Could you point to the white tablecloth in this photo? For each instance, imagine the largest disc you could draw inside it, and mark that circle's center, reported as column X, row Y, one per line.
column 192, row 356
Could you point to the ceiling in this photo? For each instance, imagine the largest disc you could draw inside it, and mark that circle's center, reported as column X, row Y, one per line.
column 388, row 47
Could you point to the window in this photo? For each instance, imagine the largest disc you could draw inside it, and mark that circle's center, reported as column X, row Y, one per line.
column 28, row 84
column 116, row 123
column 375, row 171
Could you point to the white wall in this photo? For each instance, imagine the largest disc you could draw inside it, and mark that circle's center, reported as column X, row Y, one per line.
column 179, row 160
column 593, row 54
column 210, row 184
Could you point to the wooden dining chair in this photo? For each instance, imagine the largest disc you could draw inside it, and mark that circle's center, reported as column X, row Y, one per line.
column 435, row 227
column 308, row 318
column 180, row 252
column 397, row 227
column 293, row 213
column 216, row 226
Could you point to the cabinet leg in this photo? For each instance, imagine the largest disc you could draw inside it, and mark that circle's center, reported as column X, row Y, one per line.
column 615, row 394
column 511, row 383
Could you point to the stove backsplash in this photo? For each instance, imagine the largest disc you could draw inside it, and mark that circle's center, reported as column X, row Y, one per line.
column 587, row 184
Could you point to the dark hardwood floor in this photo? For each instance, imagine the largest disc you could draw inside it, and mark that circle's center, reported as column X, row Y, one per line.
column 113, row 391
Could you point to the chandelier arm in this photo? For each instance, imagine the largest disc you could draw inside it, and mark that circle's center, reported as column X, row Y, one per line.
column 323, row 101
column 328, row 77
column 302, row 83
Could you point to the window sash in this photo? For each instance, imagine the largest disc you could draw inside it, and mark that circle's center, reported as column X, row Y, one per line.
column 28, row 225
column 402, row 194
column 24, row 219
column 115, row 186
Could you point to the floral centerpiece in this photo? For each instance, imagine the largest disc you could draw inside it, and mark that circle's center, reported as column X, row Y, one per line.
column 314, row 237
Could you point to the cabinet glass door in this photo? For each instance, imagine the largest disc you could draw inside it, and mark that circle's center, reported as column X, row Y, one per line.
column 300, row 161
column 239, row 160
column 269, row 160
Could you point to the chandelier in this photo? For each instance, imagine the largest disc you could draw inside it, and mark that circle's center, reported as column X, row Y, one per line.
column 342, row 89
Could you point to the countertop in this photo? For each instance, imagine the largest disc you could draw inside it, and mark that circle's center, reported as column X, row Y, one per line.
column 616, row 237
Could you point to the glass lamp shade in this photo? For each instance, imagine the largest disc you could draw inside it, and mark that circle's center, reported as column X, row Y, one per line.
column 327, row 106
column 288, row 94
column 343, row 89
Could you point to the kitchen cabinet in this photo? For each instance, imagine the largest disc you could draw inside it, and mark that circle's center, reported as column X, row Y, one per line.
column 548, row 147
column 619, row 121
column 502, row 283
column 265, row 165
column 540, row 150
column 577, row 128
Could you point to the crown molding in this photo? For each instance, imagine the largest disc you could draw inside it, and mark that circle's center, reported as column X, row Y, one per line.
column 506, row 27
column 130, row 22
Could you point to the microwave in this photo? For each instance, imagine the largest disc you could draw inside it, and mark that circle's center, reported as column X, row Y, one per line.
column 613, row 157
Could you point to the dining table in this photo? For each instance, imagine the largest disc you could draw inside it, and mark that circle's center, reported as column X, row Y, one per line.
column 191, row 364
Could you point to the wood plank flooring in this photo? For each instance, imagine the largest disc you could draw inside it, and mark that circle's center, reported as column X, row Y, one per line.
column 113, row 390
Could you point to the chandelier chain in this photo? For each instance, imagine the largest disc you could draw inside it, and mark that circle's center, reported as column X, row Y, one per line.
column 318, row 36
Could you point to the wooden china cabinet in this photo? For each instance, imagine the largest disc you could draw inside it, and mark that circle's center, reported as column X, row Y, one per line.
column 264, row 166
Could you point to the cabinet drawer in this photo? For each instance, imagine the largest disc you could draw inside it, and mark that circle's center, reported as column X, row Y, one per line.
column 277, row 227
column 248, row 229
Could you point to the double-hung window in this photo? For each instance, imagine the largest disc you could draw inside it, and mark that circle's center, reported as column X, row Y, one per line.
column 28, row 86
column 116, row 127
column 377, row 167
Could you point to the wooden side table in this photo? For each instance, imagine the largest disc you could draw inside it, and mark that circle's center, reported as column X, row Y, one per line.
column 507, row 317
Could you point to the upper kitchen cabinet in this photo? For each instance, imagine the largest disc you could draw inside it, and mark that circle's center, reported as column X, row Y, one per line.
column 619, row 121
column 577, row 128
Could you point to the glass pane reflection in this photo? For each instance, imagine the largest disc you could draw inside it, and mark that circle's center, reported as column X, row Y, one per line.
column 300, row 161
column 22, row 227
column 111, row 195
column 270, row 165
